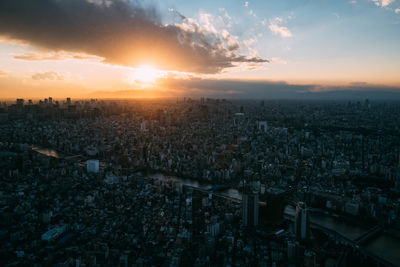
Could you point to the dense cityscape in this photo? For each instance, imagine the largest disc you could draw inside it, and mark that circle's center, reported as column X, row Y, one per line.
column 199, row 182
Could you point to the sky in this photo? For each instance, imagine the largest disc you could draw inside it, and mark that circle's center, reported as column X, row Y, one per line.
column 233, row 49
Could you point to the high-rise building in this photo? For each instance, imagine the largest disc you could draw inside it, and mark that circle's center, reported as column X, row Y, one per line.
column 143, row 126
column 93, row 165
column 310, row 259
column 250, row 209
column 20, row 102
column 68, row 101
column 262, row 126
column 293, row 251
column 302, row 221
column 197, row 215
column 272, row 206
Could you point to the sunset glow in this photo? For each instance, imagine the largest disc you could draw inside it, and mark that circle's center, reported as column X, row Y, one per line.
column 174, row 48
column 146, row 74
column 200, row 133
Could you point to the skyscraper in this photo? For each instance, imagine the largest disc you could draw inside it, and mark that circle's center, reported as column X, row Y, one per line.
column 302, row 221
column 250, row 209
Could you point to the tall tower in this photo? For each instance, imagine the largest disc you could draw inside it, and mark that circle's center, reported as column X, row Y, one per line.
column 250, row 208
column 302, row 221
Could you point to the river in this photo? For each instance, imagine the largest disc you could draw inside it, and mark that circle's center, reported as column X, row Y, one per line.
column 345, row 229
column 230, row 192
column 47, row 151
column 384, row 246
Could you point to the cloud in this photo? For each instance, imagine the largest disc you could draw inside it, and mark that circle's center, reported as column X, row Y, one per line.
column 278, row 60
column 231, row 41
column 17, row 87
column 377, row 2
column 386, row 2
column 225, row 13
column 382, row 3
column 230, row 88
column 121, row 32
column 3, row 73
column 50, row 75
column 276, row 29
column 359, row 84
column 246, row 4
column 38, row 56
column 245, row 89
column 397, row 10
column 250, row 42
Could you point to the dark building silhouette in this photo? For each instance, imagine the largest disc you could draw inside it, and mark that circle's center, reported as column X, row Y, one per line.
column 302, row 221
column 250, row 209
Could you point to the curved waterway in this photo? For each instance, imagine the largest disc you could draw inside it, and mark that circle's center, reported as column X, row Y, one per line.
column 384, row 246
column 47, row 151
column 230, row 192
column 343, row 228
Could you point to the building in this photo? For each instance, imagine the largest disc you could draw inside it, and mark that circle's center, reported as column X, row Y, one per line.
column 302, row 221
column 197, row 215
column 250, row 209
column 238, row 118
column 54, row 233
column 293, row 251
column 143, row 126
column 262, row 126
column 310, row 259
column 20, row 102
column 271, row 212
column 351, row 208
column 93, row 165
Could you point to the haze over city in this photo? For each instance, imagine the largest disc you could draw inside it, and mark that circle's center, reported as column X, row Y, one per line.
column 241, row 49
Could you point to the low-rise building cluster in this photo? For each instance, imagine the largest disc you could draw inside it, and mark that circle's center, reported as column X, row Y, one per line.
column 103, row 182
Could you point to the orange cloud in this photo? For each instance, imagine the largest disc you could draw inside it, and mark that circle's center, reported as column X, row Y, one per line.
column 50, row 75
column 120, row 32
column 37, row 56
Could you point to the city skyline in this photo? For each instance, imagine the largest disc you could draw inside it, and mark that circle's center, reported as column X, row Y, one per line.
column 199, row 133
column 246, row 49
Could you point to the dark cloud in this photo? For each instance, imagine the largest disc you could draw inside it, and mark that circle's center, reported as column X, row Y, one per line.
column 50, row 75
column 120, row 31
column 231, row 88
column 225, row 88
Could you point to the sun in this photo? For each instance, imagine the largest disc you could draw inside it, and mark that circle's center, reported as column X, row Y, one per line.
column 146, row 75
